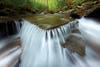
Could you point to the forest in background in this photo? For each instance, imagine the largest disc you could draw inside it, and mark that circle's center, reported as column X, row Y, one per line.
column 28, row 7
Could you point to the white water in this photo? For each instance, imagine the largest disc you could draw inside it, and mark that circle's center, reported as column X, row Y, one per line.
column 9, row 53
column 9, row 50
column 18, row 26
column 42, row 48
column 90, row 29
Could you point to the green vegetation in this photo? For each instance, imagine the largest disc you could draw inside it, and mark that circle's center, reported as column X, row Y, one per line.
column 47, row 4
column 52, row 5
column 17, row 7
column 78, row 1
column 13, row 3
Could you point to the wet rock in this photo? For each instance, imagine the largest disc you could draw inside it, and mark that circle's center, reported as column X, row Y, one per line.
column 75, row 44
column 49, row 21
column 75, row 16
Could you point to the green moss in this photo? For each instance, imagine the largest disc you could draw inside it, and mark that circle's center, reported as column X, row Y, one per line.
column 48, row 21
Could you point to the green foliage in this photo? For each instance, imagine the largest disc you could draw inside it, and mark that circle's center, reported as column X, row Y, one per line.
column 14, row 7
column 78, row 1
column 47, row 4
column 13, row 3
column 52, row 5
column 38, row 5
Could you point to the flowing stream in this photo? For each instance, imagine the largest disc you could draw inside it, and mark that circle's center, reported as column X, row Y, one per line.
column 8, row 28
column 92, row 30
column 9, row 44
column 42, row 48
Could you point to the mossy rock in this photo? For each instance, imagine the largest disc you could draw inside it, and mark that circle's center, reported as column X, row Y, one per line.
column 48, row 21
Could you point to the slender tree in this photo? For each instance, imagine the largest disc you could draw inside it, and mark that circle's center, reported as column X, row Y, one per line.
column 69, row 3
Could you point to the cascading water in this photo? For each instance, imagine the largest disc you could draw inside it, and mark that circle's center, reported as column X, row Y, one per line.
column 42, row 48
column 92, row 29
column 9, row 43
column 8, row 28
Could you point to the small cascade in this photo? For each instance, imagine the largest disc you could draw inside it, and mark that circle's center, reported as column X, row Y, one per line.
column 8, row 28
column 91, row 33
column 10, row 51
column 92, row 29
column 43, row 48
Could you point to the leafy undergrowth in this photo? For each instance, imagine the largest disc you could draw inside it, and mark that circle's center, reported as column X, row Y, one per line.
column 80, row 8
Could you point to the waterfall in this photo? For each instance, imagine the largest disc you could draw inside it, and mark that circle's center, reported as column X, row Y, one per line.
column 9, row 43
column 91, row 32
column 9, row 51
column 42, row 48
column 8, row 28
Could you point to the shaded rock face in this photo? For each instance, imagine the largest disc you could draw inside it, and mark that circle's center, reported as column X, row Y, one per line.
column 94, row 15
column 75, row 16
column 8, row 28
column 75, row 44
